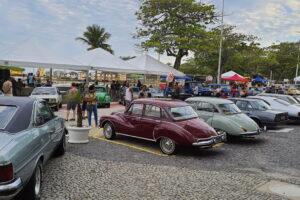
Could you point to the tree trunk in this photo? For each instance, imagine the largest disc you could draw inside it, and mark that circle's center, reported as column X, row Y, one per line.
column 79, row 115
column 180, row 54
column 177, row 62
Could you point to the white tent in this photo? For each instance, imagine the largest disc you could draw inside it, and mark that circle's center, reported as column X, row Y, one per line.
column 150, row 65
column 31, row 53
column 99, row 59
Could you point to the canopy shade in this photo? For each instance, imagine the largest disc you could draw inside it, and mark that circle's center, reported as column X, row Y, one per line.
column 99, row 59
column 150, row 65
column 233, row 76
column 31, row 53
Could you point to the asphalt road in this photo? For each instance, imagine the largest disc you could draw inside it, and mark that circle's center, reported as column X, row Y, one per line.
column 134, row 169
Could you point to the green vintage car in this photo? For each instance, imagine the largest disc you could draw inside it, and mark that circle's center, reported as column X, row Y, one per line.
column 224, row 115
column 103, row 97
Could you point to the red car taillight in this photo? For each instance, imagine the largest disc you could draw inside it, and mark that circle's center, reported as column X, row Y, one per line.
column 6, row 172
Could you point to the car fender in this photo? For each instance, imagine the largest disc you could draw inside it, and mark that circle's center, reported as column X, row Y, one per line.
column 225, row 124
column 174, row 132
column 119, row 122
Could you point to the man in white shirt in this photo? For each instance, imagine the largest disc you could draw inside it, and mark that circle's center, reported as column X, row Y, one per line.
column 128, row 95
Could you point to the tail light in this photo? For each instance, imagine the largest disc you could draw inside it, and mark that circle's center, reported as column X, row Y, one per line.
column 6, row 172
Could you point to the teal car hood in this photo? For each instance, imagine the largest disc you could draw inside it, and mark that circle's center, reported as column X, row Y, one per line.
column 243, row 121
column 5, row 139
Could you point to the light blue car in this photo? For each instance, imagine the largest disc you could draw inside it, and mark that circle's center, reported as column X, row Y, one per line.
column 29, row 134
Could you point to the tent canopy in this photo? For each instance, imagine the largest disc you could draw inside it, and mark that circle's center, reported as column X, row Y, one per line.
column 233, row 76
column 31, row 53
column 99, row 59
column 150, row 65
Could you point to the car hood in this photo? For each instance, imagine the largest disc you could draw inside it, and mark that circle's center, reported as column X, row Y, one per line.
column 198, row 128
column 44, row 96
column 243, row 121
column 5, row 139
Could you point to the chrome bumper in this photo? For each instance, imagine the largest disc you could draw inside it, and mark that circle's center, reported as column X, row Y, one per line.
column 210, row 141
column 252, row 133
column 9, row 190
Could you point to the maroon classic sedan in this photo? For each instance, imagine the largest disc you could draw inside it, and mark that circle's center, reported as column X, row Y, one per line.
column 171, row 123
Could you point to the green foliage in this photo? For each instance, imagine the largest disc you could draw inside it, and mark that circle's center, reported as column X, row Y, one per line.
column 127, row 57
column 96, row 37
column 244, row 55
column 174, row 26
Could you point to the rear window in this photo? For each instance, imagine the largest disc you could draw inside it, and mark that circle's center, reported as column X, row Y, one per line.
column 44, row 91
column 182, row 113
column 6, row 114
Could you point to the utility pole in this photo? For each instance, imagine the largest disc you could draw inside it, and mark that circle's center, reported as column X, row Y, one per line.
column 221, row 43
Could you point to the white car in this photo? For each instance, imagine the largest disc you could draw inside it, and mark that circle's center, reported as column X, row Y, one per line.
column 50, row 95
column 279, row 104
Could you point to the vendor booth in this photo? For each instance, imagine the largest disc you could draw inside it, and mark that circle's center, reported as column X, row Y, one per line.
column 233, row 76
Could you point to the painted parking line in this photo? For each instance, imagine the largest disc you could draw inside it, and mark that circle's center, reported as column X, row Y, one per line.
column 97, row 134
column 283, row 130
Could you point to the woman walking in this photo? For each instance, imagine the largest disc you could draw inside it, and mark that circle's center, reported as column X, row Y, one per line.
column 91, row 102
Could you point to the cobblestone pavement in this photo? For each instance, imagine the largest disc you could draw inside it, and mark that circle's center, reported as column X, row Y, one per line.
column 102, row 170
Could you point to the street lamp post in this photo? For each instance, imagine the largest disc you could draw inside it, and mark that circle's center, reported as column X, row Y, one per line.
column 221, row 43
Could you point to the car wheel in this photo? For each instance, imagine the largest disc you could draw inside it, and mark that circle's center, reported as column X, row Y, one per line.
column 107, row 105
column 109, row 131
column 33, row 189
column 167, row 146
column 257, row 122
column 61, row 149
column 60, row 105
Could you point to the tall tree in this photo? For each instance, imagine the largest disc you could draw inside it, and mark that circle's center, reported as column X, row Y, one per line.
column 173, row 26
column 96, row 37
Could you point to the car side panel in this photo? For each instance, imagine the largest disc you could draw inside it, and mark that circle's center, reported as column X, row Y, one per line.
column 120, row 123
column 174, row 132
column 224, row 124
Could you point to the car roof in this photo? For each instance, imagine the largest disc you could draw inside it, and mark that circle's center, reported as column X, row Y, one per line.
column 243, row 99
column 262, row 97
column 164, row 102
column 274, row 95
column 43, row 87
column 22, row 117
column 213, row 100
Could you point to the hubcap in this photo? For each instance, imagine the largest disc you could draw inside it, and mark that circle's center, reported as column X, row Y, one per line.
column 38, row 177
column 167, row 145
column 107, row 131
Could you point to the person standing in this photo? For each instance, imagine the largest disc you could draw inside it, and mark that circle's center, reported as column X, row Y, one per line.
column 7, row 87
column 128, row 95
column 142, row 93
column 91, row 101
column 84, row 103
column 71, row 101
column 20, row 86
column 176, row 93
column 139, row 84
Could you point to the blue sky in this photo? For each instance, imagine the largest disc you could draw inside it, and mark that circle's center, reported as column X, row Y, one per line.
column 60, row 21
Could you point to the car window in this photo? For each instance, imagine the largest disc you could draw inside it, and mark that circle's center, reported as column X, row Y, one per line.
column 152, row 111
column 183, row 113
column 229, row 108
column 100, row 89
column 6, row 114
column 205, row 106
column 136, row 109
column 43, row 113
column 282, row 102
column 44, row 91
column 241, row 105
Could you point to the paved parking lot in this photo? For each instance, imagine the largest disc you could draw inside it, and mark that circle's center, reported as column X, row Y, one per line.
column 133, row 169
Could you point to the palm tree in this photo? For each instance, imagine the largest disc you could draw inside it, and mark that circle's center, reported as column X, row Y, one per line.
column 96, row 37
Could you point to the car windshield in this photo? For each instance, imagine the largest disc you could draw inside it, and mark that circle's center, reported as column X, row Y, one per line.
column 44, row 91
column 154, row 90
column 183, row 112
column 282, row 102
column 229, row 108
column 6, row 113
column 100, row 89
column 260, row 105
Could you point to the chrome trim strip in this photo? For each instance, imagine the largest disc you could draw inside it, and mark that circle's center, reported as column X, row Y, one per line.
column 136, row 137
column 251, row 133
column 15, row 185
column 211, row 140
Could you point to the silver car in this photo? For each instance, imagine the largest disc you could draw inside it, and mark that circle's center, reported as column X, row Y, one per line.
column 279, row 104
column 290, row 99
